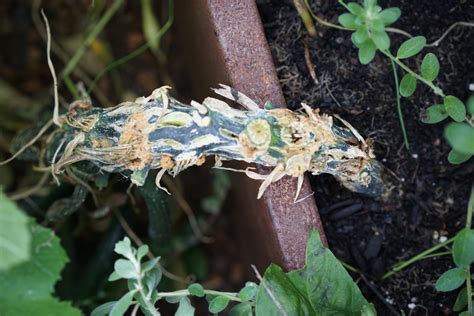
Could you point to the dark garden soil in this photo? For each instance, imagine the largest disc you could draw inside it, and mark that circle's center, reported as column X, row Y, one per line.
column 429, row 196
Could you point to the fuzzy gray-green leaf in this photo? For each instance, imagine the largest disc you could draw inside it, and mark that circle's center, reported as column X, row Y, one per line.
column 367, row 52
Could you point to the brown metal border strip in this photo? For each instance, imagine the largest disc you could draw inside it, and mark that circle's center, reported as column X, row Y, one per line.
column 224, row 42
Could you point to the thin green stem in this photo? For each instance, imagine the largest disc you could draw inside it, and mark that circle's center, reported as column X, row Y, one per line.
column 399, row 106
column 349, row 267
column 230, row 295
column 146, row 298
column 422, row 255
column 470, row 209
column 91, row 37
column 437, row 90
column 470, row 308
column 138, row 51
column 326, row 23
column 305, row 16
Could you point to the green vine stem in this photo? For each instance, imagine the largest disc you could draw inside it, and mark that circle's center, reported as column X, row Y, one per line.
column 470, row 210
column 399, row 106
column 230, row 295
column 437, row 90
column 422, row 255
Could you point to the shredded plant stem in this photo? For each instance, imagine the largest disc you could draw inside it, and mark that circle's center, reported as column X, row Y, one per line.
column 159, row 132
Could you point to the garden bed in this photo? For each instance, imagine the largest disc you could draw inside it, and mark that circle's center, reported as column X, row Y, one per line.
column 429, row 195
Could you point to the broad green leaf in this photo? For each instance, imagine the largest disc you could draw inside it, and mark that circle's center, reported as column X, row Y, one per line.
column 103, row 309
column 367, row 52
column 122, row 304
column 455, row 108
column 241, row 309
column 369, row 3
column 125, row 269
column 159, row 221
column 368, row 310
column 185, row 308
column 411, row 47
column 360, row 36
column 25, row 289
column 461, row 137
column 196, row 289
column 457, row 158
column 390, row 15
column 248, row 292
column 15, row 238
column 114, row 276
column 347, row 20
column 407, row 85
column 381, row 40
column 461, row 300
column 430, row 67
column 290, row 299
column 377, row 26
column 470, row 105
column 434, row 114
column 463, row 248
column 451, row 280
column 218, row 304
column 355, row 8
column 329, row 286
column 150, row 25
column 322, row 287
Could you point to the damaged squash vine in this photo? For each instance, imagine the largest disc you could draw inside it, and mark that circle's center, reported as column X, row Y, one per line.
column 159, row 132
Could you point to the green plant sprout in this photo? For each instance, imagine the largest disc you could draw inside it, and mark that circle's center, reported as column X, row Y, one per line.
column 463, row 256
column 322, row 287
column 370, row 25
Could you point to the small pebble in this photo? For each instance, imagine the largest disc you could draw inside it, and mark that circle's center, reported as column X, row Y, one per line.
column 443, row 238
column 415, row 156
column 471, row 86
column 411, row 306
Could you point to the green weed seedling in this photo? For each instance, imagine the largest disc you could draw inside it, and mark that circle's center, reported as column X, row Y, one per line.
column 463, row 257
column 370, row 25
column 322, row 287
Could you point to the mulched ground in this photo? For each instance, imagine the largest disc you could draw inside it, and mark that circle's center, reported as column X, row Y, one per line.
column 429, row 197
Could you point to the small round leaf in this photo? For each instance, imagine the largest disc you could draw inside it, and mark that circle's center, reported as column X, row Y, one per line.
column 461, row 137
column 381, row 40
column 125, row 269
column 248, row 292
column 347, row 20
column 451, row 280
column 455, row 108
column 457, row 158
column 463, row 248
column 355, row 8
column 430, row 67
column 367, row 52
column 196, row 289
column 434, row 114
column 411, row 47
column 218, row 304
column 407, row 85
column 390, row 15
